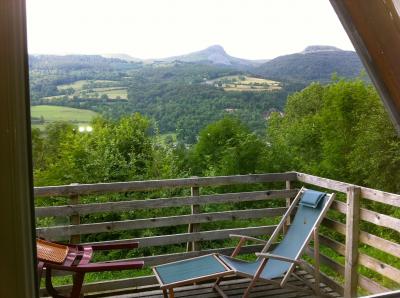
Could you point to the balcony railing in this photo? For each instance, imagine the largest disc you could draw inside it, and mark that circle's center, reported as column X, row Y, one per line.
column 349, row 207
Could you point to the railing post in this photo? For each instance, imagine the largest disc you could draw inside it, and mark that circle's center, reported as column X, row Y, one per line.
column 192, row 246
column 352, row 238
column 289, row 185
column 74, row 219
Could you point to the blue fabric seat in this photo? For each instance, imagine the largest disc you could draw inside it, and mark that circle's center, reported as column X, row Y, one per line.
column 311, row 208
column 308, row 211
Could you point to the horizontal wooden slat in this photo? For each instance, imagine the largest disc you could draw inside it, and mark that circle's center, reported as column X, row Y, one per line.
column 84, row 189
column 334, row 225
column 103, row 286
column 326, row 261
column 335, row 245
column 198, row 236
column 380, row 267
column 62, row 231
column 83, row 209
column 381, row 220
column 162, row 259
column 365, row 260
column 367, row 193
column 376, row 218
column 371, row 286
column 367, row 238
column 364, row 282
column 381, row 244
column 323, row 182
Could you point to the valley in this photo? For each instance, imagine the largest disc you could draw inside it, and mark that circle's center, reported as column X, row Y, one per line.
column 182, row 94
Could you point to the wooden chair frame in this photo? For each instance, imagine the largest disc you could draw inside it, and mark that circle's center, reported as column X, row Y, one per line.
column 294, row 262
column 78, row 262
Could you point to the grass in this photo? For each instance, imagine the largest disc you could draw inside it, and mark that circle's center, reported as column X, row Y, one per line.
column 78, row 85
column 166, row 137
column 59, row 113
column 245, row 83
column 112, row 93
column 101, row 87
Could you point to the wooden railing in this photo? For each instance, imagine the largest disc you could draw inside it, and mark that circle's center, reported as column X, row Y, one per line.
column 195, row 218
column 354, row 235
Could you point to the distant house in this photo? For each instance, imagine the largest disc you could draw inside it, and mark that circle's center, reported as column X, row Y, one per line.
column 230, row 110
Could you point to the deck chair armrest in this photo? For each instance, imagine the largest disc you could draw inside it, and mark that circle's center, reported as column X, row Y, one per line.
column 242, row 240
column 248, row 238
column 278, row 257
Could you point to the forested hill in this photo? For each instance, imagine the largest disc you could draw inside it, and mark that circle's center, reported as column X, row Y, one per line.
column 315, row 63
column 217, row 55
column 182, row 94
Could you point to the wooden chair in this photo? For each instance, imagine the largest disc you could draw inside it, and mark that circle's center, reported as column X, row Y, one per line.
column 76, row 259
column 276, row 267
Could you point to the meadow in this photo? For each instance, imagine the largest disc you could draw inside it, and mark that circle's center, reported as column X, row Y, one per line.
column 42, row 115
column 94, row 89
column 245, row 83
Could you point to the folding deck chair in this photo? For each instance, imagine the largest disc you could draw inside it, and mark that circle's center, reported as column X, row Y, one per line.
column 275, row 267
column 76, row 259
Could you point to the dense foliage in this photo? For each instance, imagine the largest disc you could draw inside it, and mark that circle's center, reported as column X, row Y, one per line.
column 312, row 65
column 176, row 94
column 339, row 130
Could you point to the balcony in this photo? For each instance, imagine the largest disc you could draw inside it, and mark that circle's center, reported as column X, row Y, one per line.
column 269, row 198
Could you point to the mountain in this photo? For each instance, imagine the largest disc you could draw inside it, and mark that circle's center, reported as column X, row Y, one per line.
column 122, row 56
column 69, row 62
column 214, row 55
column 315, row 63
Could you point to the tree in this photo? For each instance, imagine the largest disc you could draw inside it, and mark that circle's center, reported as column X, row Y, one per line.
column 340, row 131
column 227, row 147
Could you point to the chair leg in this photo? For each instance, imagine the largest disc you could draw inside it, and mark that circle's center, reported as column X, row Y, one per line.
column 78, row 282
column 217, row 288
column 317, row 288
column 255, row 278
column 217, row 282
column 171, row 293
column 49, row 285
column 164, row 291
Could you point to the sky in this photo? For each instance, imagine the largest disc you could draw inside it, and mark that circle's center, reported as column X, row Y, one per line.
column 251, row 29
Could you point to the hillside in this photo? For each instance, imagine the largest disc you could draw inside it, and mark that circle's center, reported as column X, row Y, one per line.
column 315, row 63
column 216, row 55
column 183, row 94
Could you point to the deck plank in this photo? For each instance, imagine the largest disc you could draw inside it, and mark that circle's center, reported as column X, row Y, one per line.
column 233, row 288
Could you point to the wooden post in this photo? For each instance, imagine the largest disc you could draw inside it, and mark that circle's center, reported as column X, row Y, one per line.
column 18, row 247
column 192, row 246
column 352, row 238
column 74, row 219
column 316, row 262
column 289, row 185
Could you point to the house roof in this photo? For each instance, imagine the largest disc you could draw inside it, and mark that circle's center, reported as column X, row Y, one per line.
column 374, row 29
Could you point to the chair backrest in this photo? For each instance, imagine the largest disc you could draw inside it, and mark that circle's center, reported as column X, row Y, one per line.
column 51, row 252
column 311, row 209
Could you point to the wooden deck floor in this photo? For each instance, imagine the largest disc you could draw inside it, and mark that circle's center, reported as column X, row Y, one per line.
column 233, row 288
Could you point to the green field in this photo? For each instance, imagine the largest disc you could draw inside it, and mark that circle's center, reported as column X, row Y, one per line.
column 112, row 93
column 78, row 85
column 245, row 83
column 94, row 89
column 57, row 113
